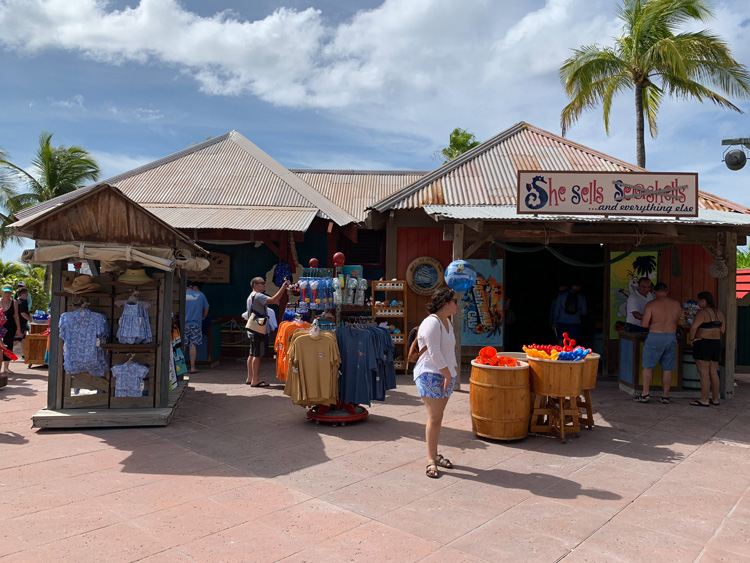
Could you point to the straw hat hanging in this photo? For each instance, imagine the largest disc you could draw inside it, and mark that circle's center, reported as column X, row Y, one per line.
column 81, row 284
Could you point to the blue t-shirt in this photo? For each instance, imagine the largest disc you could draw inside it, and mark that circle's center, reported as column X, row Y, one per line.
column 195, row 302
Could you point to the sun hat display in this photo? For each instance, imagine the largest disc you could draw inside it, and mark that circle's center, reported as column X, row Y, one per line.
column 81, row 284
column 134, row 276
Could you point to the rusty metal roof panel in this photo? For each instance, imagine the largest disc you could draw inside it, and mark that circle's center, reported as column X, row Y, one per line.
column 248, row 218
column 355, row 190
column 486, row 175
column 226, row 170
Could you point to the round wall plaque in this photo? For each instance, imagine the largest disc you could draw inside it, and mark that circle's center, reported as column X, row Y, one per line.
column 424, row 275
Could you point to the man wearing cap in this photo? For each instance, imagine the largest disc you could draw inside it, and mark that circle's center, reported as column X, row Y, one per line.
column 196, row 309
column 660, row 317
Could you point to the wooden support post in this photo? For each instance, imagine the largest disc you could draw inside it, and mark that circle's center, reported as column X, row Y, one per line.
column 165, row 338
column 55, row 372
column 183, row 306
column 391, row 245
column 728, row 306
column 458, row 254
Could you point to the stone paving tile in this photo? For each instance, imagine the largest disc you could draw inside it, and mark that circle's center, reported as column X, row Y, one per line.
column 251, row 541
column 734, row 536
column 46, row 526
column 193, row 519
column 312, row 521
column 259, row 498
column 372, row 542
column 637, row 544
column 500, row 541
column 124, row 543
column 433, row 520
column 554, row 519
column 582, row 501
column 715, row 555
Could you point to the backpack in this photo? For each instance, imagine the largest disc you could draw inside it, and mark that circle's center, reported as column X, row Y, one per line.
column 413, row 345
column 571, row 303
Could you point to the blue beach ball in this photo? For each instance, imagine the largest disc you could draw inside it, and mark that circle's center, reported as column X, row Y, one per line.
column 460, row 275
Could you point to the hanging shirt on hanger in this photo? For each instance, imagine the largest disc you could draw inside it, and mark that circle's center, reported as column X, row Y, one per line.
column 129, row 379
column 134, row 326
column 82, row 331
column 314, row 362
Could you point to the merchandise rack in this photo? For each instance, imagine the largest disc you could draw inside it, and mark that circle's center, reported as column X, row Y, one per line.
column 393, row 290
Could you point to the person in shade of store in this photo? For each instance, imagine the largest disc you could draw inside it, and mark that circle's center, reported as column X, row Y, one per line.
column 569, row 308
column 637, row 301
column 660, row 317
column 436, row 370
column 258, row 302
column 196, row 309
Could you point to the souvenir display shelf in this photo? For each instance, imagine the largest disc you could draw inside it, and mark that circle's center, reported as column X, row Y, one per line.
column 82, row 390
column 387, row 292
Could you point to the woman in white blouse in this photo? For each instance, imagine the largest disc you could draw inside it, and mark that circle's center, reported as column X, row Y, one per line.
column 436, row 370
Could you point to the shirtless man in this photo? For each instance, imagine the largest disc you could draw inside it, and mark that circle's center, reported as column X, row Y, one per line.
column 660, row 317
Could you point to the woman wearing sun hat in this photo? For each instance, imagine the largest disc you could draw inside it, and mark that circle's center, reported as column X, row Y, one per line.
column 12, row 323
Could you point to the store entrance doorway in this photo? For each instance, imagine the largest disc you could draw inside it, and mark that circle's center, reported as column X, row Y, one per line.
column 532, row 281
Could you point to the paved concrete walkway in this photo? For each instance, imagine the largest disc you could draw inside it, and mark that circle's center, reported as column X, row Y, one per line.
column 240, row 475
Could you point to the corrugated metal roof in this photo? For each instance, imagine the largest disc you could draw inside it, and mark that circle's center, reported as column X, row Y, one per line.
column 225, row 171
column 248, row 218
column 356, row 190
column 711, row 201
column 508, row 213
column 486, row 175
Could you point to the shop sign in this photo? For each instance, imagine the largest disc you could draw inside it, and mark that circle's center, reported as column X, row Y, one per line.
column 424, row 275
column 217, row 271
column 661, row 194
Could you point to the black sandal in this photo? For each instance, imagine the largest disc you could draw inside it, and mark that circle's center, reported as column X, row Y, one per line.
column 715, row 403
column 260, row 384
column 443, row 461
column 665, row 400
column 432, row 470
column 697, row 403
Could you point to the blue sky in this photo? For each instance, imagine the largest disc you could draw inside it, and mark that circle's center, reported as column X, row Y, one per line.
column 329, row 83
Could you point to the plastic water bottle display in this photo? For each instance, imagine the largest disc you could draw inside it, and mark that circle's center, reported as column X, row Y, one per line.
column 460, row 275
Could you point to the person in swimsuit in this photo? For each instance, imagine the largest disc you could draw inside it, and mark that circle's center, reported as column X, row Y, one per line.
column 12, row 323
column 705, row 334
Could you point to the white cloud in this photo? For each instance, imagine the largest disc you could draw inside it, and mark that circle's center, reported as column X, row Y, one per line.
column 413, row 68
column 74, row 102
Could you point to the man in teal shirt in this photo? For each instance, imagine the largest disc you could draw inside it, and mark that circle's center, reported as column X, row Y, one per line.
column 196, row 309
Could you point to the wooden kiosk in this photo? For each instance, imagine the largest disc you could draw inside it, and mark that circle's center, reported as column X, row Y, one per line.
column 104, row 227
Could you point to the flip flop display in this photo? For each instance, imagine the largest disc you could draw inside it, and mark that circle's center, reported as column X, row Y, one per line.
column 488, row 356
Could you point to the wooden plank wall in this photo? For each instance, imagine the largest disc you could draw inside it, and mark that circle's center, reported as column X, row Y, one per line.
column 414, row 242
column 694, row 262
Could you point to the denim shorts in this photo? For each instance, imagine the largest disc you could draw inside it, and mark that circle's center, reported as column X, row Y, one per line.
column 431, row 385
column 193, row 335
column 660, row 348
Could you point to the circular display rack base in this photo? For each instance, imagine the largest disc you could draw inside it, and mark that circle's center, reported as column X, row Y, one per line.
column 337, row 416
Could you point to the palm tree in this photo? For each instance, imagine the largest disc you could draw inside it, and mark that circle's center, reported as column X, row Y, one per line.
column 59, row 170
column 654, row 61
column 460, row 141
column 33, row 271
column 10, row 269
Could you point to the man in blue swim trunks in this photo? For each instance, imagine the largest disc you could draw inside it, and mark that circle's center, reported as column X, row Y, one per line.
column 660, row 317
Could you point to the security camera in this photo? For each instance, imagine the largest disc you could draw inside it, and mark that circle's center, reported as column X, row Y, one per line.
column 735, row 159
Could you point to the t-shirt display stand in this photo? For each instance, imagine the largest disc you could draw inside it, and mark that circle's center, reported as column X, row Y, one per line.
column 85, row 400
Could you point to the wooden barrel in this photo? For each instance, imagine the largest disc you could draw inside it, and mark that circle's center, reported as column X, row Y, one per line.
column 590, row 369
column 556, row 378
column 500, row 401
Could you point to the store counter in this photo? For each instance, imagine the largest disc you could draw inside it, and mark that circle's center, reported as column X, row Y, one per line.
column 631, row 352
